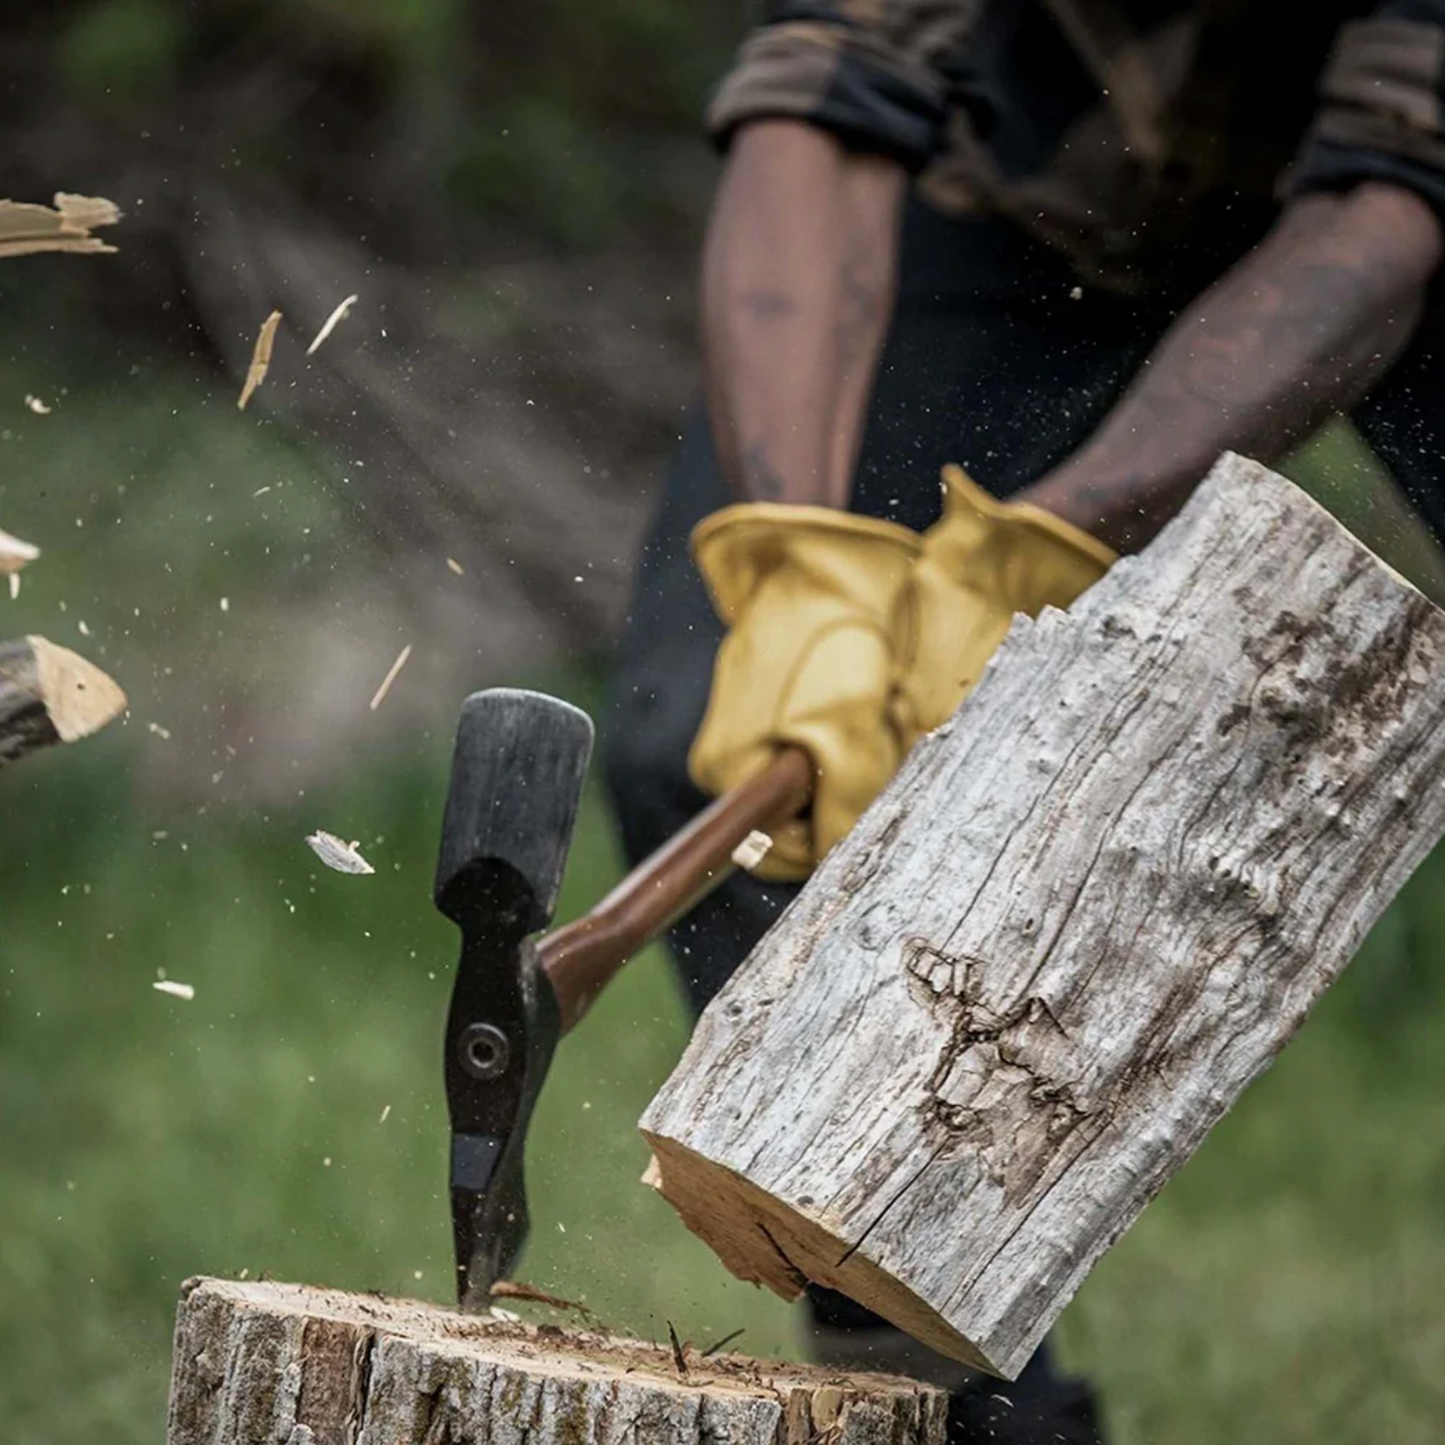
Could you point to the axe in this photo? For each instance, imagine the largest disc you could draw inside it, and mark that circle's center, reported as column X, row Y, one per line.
column 517, row 774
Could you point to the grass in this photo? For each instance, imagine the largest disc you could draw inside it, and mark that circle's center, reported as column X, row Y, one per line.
column 1288, row 1278
column 145, row 1138
column 1285, row 1287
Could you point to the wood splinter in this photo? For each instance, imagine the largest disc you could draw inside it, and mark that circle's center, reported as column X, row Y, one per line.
column 48, row 695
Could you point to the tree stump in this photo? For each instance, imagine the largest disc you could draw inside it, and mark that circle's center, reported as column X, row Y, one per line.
column 48, row 695
column 1090, row 909
column 277, row 1364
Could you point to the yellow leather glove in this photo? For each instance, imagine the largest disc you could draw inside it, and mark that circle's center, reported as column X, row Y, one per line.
column 982, row 562
column 809, row 596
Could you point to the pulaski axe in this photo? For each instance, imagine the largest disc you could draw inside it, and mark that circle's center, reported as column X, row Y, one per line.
column 517, row 775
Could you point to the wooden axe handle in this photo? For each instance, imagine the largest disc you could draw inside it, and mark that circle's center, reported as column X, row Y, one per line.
column 583, row 957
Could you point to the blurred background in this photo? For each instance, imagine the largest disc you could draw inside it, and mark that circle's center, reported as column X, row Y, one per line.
column 515, row 195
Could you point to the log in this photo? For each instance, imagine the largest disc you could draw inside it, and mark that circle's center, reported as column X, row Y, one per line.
column 278, row 1364
column 1090, row 909
column 48, row 695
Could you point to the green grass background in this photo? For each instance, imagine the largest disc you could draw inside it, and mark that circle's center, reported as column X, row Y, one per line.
column 1288, row 1286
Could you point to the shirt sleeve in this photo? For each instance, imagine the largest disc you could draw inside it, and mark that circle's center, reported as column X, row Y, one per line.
column 875, row 73
column 1382, row 106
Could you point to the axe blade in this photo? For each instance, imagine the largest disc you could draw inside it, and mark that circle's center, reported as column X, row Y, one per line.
column 517, row 775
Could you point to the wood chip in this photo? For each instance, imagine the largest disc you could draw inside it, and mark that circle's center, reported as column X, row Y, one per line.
column 726, row 1340
column 14, row 553
column 515, row 1289
column 331, row 323
column 455, row 566
column 36, row 405
column 390, row 677
column 752, row 850
column 14, row 585
column 26, row 229
column 679, row 1355
column 176, row 990
column 260, row 358
column 337, row 855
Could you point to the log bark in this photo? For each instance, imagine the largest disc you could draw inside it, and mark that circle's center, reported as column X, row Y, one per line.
column 49, row 695
column 276, row 1364
column 1090, row 909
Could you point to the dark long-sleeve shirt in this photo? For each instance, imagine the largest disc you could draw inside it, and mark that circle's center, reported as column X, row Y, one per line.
column 1110, row 127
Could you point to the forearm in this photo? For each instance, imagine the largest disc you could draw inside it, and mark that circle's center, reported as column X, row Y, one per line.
column 1296, row 332
column 798, row 278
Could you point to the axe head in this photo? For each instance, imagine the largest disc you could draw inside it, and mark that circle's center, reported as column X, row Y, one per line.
column 517, row 775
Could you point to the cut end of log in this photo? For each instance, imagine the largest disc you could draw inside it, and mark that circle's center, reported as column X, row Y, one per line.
column 764, row 1242
column 78, row 697
column 286, row 1362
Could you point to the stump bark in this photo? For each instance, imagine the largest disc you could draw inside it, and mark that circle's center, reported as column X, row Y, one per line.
column 1090, row 909
column 49, row 695
column 276, row 1364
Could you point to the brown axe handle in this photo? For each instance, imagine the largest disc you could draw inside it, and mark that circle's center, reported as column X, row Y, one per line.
column 583, row 957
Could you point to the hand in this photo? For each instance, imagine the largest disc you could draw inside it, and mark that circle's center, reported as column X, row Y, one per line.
column 983, row 562
column 809, row 595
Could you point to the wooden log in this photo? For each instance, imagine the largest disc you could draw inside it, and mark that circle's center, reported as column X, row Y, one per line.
column 48, row 695
column 277, row 1364
column 1090, row 909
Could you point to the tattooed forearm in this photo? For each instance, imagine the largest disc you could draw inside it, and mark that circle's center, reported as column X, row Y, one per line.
column 1295, row 333
column 796, row 289
column 768, row 305
column 759, row 479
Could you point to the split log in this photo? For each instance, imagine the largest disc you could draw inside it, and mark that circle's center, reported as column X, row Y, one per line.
column 288, row 1365
column 1090, row 909
column 49, row 694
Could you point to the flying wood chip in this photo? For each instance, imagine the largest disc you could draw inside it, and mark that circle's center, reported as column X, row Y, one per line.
column 390, row 677
column 260, row 358
column 337, row 855
column 26, row 228
column 14, row 553
column 331, row 323
column 752, row 850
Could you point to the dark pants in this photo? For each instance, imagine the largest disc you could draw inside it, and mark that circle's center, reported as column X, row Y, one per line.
column 992, row 363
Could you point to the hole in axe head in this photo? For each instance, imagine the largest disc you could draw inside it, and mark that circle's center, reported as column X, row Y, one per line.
column 484, row 1051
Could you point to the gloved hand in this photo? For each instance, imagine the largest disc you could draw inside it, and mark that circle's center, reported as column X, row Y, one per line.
column 809, row 595
column 983, row 562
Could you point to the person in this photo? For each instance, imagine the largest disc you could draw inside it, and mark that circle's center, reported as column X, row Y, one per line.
column 1080, row 247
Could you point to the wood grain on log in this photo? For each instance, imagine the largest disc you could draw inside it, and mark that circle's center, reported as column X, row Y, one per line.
column 1090, row 909
column 48, row 695
column 276, row 1364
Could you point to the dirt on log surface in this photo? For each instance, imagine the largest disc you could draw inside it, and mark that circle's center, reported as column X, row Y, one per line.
column 293, row 1365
